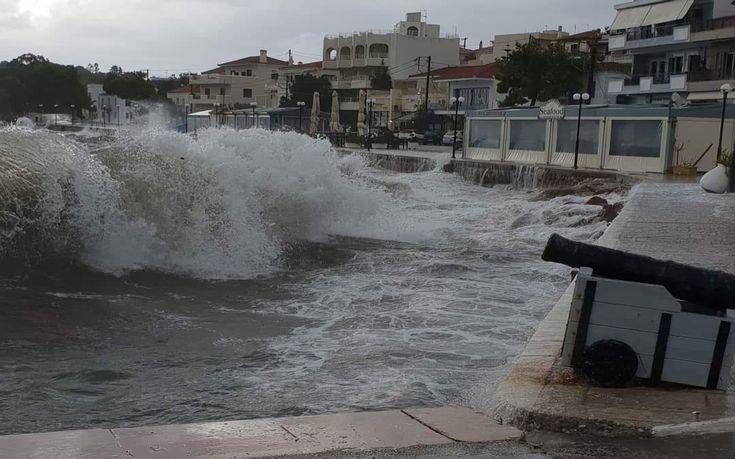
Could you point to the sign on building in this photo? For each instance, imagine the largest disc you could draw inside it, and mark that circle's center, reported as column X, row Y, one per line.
column 551, row 110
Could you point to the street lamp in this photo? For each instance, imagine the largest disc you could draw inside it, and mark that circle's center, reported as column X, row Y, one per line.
column 301, row 104
column 370, row 103
column 456, row 102
column 581, row 98
column 253, row 105
column 726, row 89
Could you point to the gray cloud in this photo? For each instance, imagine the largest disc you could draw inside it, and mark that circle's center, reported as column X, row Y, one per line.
column 173, row 36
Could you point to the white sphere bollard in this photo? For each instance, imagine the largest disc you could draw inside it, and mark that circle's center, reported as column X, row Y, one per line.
column 717, row 180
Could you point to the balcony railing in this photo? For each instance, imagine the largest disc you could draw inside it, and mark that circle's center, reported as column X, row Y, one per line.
column 645, row 33
column 711, row 74
column 657, row 79
column 714, row 24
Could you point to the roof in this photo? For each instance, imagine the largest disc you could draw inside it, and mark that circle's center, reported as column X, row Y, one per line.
column 211, row 71
column 583, row 36
column 254, row 60
column 463, row 72
column 189, row 88
column 304, row 65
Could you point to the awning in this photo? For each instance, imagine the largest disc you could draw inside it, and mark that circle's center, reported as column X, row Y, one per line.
column 630, row 18
column 710, row 95
column 656, row 13
column 667, row 12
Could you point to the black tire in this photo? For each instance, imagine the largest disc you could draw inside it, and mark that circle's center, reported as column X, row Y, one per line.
column 610, row 363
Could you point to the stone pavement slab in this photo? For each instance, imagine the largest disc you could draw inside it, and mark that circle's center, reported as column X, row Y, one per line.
column 383, row 431
column 670, row 221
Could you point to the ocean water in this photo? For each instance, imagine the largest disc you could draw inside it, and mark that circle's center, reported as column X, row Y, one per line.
column 155, row 278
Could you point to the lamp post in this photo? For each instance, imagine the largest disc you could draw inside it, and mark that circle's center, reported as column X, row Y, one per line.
column 456, row 102
column 253, row 105
column 301, row 104
column 56, row 114
column 72, row 107
column 118, row 114
column 370, row 103
column 581, row 98
column 726, row 89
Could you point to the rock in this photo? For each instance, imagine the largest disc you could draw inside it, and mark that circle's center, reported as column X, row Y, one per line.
column 449, row 167
column 596, row 201
column 610, row 212
column 586, row 187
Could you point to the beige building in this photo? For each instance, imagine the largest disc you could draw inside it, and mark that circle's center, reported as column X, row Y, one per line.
column 504, row 44
column 239, row 83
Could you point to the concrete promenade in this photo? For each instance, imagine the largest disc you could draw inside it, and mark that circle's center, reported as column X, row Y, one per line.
column 672, row 221
column 387, row 432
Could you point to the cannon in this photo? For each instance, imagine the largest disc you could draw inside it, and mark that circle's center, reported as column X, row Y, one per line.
column 633, row 316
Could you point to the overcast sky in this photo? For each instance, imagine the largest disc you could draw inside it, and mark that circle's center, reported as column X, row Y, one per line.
column 174, row 36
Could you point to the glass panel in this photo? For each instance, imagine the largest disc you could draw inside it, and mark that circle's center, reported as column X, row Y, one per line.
column 485, row 133
column 589, row 134
column 528, row 135
column 636, row 138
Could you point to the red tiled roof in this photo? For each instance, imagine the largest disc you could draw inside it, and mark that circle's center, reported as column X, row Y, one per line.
column 486, row 71
column 189, row 88
column 254, row 60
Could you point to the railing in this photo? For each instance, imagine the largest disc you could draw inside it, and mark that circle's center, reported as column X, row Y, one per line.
column 645, row 33
column 714, row 24
column 635, row 80
column 710, row 74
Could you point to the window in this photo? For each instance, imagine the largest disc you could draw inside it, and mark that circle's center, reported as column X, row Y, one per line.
column 331, row 54
column 574, row 48
column 234, row 72
column 378, row 50
column 247, row 93
column 676, row 64
column 589, row 136
column 636, row 138
column 249, row 72
column 412, row 31
column 274, row 76
column 207, row 92
column 528, row 135
column 221, row 91
column 345, row 53
column 485, row 133
column 359, row 52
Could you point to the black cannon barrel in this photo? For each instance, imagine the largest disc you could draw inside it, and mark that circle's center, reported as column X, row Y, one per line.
column 714, row 290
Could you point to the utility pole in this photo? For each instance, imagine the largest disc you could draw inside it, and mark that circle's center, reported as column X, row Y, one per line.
column 593, row 44
column 426, row 100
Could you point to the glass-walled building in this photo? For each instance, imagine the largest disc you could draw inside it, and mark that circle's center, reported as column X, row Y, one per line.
column 624, row 138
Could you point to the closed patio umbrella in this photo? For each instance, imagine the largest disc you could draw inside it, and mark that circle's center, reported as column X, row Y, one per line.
column 334, row 125
column 361, row 127
column 314, row 121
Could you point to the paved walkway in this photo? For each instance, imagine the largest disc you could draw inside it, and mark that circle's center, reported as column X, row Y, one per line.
column 387, row 431
column 672, row 221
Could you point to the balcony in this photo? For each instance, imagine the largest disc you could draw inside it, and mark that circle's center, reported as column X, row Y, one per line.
column 646, row 37
column 355, row 83
column 646, row 84
column 715, row 29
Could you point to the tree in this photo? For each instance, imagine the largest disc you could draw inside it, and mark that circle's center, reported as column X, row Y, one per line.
column 116, row 70
column 534, row 72
column 381, row 79
column 303, row 89
column 164, row 85
column 131, row 85
column 30, row 80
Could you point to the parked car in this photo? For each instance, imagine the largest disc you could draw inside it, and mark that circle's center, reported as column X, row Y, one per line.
column 448, row 138
column 410, row 135
column 432, row 137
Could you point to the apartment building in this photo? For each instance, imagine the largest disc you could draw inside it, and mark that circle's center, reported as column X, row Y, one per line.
column 676, row 46
column 506, row 43
column 403, row 50
column 239, row 83
column 476, row 83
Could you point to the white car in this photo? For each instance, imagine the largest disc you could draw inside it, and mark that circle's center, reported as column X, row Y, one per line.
column 448, row 138
column 410, row 135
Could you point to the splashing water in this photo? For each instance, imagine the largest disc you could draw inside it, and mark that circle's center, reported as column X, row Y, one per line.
column 337, row 287
column 223, row 205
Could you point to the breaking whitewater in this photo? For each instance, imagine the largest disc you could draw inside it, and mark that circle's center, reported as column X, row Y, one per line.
column 158, row 278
